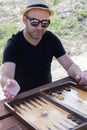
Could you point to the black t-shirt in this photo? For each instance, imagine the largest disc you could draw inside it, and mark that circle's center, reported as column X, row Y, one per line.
column 33, row 63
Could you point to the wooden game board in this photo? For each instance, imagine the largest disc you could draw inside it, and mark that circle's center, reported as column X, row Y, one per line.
column 46, row 109
column 71, row 96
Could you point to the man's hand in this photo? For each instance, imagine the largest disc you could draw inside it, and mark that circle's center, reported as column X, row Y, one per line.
column 82, row 78
column 11, row 89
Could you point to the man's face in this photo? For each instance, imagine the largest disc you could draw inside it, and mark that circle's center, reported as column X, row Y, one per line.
column 41, row 18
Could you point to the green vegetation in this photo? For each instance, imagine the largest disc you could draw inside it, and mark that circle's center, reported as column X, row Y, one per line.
column 56, row 25
column 54, row 2
column 5, row 32
column 82, row 1
column 81, row 14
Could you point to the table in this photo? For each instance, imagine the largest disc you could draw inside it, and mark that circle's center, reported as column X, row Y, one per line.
column 9, row 122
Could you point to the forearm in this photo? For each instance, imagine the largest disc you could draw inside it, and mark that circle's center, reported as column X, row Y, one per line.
column 4, row 80
column 9, row 84
column 74, row 70
column 8, row 72
column 5, row 76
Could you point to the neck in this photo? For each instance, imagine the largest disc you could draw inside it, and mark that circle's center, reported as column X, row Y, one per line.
column 30, row 39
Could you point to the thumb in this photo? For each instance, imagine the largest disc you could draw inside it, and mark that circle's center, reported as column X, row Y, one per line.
column 12, row 86
column 11, row 82
column 78, row 78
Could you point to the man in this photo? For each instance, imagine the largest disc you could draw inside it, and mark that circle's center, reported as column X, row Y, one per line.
column 28, row 54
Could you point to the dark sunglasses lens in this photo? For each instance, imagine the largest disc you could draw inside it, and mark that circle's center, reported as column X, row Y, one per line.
column 45, row 23
column 34, row 22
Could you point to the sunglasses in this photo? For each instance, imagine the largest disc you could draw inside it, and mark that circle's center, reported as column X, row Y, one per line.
column 36, row 22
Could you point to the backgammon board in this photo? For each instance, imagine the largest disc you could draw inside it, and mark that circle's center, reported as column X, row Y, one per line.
column 62, row 107
column 71, row 96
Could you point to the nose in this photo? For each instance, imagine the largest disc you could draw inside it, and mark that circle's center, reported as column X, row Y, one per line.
column 39, row 26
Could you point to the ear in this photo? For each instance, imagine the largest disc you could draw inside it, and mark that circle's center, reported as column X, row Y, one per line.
column 24, row 19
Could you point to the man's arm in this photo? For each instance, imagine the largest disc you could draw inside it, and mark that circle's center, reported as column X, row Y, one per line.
column 8, row 71
column 10, row 86
column 72, row 69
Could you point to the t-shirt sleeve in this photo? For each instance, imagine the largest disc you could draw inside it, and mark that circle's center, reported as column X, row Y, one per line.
column 58, row 48
column 9, row 54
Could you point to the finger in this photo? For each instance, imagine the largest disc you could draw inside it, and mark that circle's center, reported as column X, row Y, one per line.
column 78, row 78
column 6, row 93
column 82, row 82
column 10, row 97
column 4, row 90
column 11, row 82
